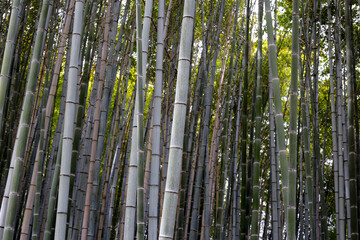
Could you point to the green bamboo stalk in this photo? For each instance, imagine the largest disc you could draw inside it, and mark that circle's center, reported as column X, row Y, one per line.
column 140, row 132
column 333, row 122
column 52, row 196
column 177, row 133
column 16, row 102
column 275, row 196
column 339, row 99
column 35, row 186
column 278, row 108
column 256, row 173
column 8, row 56
column 351, row 127
column 39, row 178
column 291, row 209
column 244, row 120
column 22, row 133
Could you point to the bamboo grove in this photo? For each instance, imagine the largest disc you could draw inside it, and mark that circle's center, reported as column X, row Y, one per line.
column 179, row 119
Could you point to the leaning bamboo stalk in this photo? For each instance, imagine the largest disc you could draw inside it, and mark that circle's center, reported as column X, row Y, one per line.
column 8, row 55
column 39, row 179
column 52, row 197
column 23, row 130
column 203, row 158
column 14, row 22
column 104, row 112
column 176, row 143
column 61, row 218
column 84, row 228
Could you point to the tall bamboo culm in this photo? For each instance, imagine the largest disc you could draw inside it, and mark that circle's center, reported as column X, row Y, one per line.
column 140, row 200
column 177, row 132
column 69, row 119
column 23, row 130
column 155, row 157
column 291, row 209
column 279, row 122
column 257, row 145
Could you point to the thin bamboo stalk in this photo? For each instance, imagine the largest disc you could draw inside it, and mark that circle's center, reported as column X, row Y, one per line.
column 256, row 173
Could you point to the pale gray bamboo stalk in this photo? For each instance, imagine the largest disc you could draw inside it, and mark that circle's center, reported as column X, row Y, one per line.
column 145, row 36
column 82, row 134
column 176, row 143
column 131, row 192
column 140, row 200
column 120, row 230
column 155, row 158
column 189, row 141
column 339, row 100
column 60, row 227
